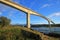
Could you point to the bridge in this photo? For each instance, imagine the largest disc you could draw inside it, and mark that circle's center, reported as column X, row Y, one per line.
column 25, row 10
column 28, row 13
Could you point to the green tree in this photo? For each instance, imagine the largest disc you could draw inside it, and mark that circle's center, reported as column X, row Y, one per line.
column 4, row 21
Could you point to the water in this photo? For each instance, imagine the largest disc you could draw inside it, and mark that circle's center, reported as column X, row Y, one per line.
column 47, row 30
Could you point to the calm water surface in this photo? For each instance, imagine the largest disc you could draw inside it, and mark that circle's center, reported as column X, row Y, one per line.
column 48, row 30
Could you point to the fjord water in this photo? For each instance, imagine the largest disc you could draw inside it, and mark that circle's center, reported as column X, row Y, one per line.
column 47, row 30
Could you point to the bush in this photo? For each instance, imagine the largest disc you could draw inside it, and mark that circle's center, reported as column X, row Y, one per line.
column 4, row 21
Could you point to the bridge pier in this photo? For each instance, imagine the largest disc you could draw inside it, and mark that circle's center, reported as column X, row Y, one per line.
column 28, row 20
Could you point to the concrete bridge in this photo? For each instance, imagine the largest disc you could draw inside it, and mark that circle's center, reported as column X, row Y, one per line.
column 25, row 10
column 28, row 12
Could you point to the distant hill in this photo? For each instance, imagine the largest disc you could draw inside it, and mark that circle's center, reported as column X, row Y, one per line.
column 45, row 25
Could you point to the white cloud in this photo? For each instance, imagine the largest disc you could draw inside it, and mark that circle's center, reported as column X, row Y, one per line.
column 45, row 5
column 54, row 14
column 55, row 17
column 0, row 13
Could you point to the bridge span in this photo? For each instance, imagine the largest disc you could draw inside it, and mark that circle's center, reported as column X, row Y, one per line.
column 25, row 10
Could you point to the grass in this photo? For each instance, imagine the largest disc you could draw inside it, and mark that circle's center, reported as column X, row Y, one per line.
column 21, row 33
column 16, row 33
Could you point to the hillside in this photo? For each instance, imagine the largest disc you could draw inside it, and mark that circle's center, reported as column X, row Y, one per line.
column 22, row 33
column 17, row 33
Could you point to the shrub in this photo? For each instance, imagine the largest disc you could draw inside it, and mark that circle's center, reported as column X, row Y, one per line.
column 4, row 21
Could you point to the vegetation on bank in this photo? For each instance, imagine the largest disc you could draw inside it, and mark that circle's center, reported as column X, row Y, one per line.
column 9, row 32
column 45, row 25
column 16, row 33
column 4, row 21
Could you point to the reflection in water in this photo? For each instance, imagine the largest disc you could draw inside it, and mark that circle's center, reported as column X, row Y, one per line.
column 47, row 30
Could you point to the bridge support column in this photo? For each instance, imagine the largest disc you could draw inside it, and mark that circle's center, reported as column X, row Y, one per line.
column 28, row 20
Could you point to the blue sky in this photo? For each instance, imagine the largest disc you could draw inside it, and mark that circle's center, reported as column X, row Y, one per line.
column 48, row 8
